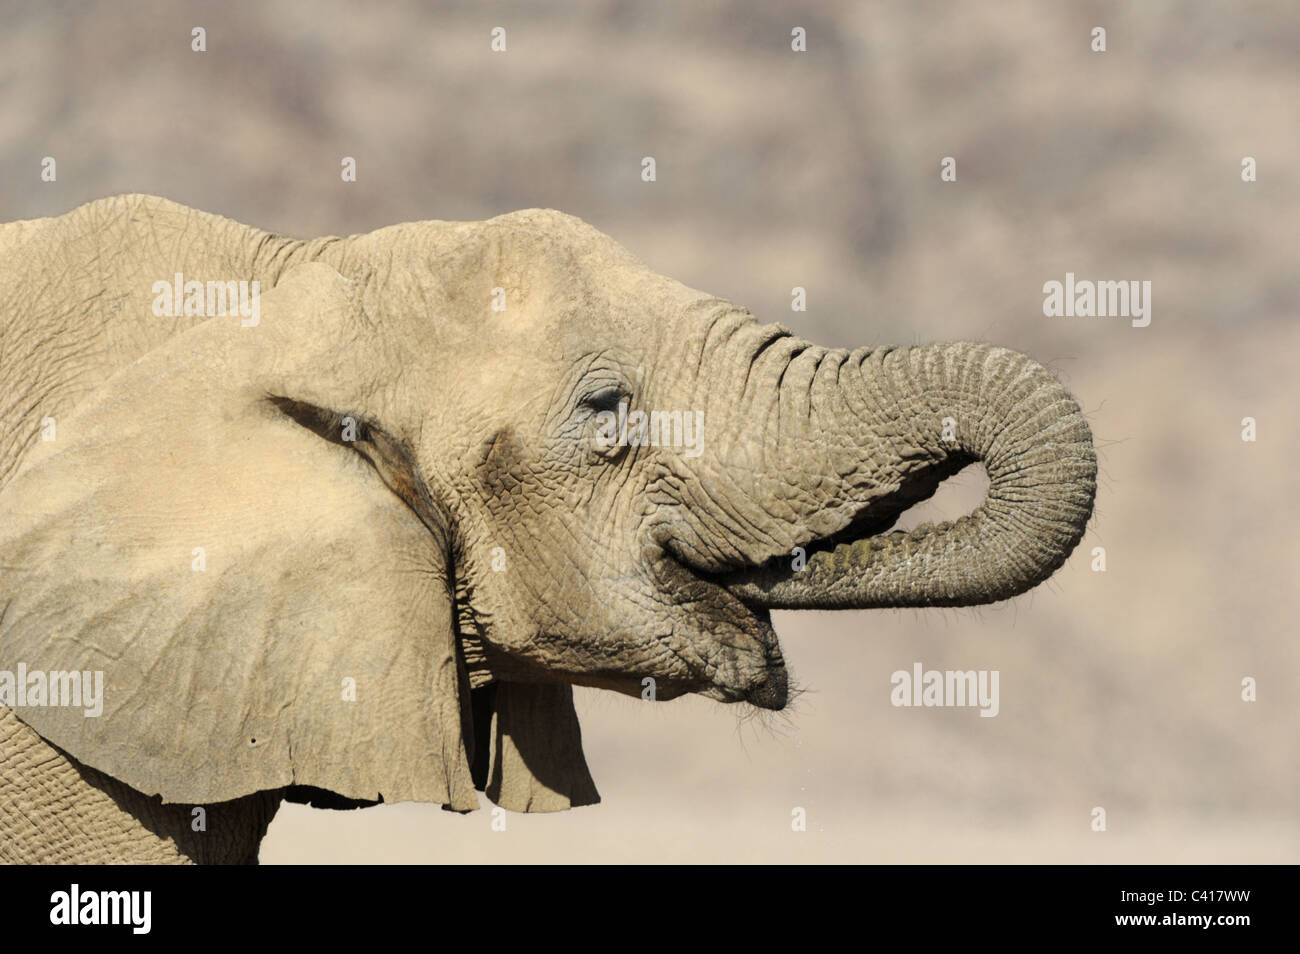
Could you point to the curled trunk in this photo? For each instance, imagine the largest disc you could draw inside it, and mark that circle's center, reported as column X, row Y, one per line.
column 929, row 411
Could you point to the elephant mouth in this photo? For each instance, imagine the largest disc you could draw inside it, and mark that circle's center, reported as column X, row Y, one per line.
column 728, row 611
column 727, row 651
column 767, row 686
column 739, row 658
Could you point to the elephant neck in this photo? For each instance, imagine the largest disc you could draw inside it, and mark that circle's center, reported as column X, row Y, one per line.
column 54, row 810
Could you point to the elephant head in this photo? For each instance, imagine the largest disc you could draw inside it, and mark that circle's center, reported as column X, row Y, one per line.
column 457, row 468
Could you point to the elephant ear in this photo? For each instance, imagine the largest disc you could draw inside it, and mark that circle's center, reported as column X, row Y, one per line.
column 265, row 610
column 537, row 763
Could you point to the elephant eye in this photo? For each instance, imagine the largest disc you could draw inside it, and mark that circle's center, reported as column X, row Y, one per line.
column 605, row 399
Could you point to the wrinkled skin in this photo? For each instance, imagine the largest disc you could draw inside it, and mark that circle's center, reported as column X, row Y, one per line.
column 548, row 557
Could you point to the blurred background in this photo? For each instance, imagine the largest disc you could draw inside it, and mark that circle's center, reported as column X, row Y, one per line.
column 1119, row 689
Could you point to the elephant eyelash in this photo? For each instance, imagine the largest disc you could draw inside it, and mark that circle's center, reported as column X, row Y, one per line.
column 605, row 399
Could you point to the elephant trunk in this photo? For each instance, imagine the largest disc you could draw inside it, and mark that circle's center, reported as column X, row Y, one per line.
column 914, row 416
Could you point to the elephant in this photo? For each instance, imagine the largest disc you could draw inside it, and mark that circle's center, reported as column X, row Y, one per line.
column 357, row 537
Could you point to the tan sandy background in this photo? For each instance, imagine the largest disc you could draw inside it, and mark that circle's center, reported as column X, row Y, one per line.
column 1118, row 689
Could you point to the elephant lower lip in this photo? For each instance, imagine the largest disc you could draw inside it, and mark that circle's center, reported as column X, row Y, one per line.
column 760, row 679
column 774, row 690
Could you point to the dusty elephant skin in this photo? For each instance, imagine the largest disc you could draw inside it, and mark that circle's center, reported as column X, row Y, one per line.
column 362, row 538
